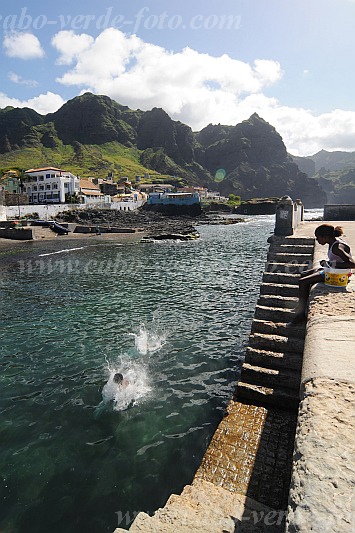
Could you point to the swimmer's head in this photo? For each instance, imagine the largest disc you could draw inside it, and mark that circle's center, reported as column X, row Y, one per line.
column 118, row 378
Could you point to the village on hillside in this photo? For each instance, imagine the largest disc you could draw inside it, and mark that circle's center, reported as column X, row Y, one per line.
column 50, row 185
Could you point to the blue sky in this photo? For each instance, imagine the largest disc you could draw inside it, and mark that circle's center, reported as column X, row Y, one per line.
column 293, row 62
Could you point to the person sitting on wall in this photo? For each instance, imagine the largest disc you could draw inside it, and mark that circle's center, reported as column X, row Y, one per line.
column 339, row 256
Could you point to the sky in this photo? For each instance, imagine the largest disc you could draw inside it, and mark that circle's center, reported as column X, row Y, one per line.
column 202, row 61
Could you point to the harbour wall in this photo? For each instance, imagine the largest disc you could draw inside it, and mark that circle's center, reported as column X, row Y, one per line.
column 282, row 457
column 321, row 497
column 49, row 211
column 247, row 467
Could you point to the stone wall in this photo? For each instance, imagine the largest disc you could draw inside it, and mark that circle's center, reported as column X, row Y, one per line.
column 15, row 199
column 49, row 211
column 339, row 212
column 16, row 234
column 321, row 496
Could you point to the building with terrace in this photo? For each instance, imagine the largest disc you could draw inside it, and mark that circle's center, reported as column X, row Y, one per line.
column 50, row 185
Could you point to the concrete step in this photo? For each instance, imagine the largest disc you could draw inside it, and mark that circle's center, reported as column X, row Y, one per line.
column 280, row 277
column 292, row 248
column 279, row 289
column 204, row 507
column 279, row 397
column 295, row 258
column 148, row 524
column 278, row 328
column 189, row 516
column 241, row 508
column 282, row 302
column 278, row 240
column 271, row 377
column 288, row 267
column 275, row 360
column 276, row 343
column 273, row 314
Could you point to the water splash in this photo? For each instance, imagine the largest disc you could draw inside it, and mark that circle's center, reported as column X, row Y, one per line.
column 135, row 373
column 148, row 341
column 135, row 388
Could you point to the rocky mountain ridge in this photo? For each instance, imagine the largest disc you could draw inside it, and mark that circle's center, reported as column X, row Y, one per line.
column 334, row 172
column 249, row 159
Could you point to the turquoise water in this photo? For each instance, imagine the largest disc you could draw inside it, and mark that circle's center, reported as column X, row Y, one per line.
column 77, row 453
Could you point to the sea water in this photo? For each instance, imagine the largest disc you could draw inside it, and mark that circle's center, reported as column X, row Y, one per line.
column 78, row 453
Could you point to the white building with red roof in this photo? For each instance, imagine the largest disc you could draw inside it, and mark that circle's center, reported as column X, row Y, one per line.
column 50, row 185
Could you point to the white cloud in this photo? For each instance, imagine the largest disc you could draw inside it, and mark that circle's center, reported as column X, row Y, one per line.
column 43, row 104
column 303, row 132
column 70, row 45
column 22, row 45
column 16, row 78
column 125, row 67
column 195, row 88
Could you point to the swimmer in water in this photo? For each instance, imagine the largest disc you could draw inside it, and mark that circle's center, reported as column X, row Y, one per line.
column 120, row 380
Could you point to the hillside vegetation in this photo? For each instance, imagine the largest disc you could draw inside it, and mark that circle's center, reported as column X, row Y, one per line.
column 91, row 135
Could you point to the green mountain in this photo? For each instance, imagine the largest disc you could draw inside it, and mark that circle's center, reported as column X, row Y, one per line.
column 91, row 135
column 334, row 172
column 333, row 161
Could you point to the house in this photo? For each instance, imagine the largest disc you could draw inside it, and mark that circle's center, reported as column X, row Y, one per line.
column 90, row 193
column 134, row 196
column 215, row 196
column 124, row 186
column 176, row 198
column 202, row 191
column 107, row 185
column 10, row 182
column 50, row 185
column 155, row 187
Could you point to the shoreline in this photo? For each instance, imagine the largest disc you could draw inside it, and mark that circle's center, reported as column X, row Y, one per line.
column 12, row 251
column 85, row 237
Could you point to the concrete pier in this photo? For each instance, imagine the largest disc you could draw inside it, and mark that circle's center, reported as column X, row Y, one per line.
column 321, row 497
column 282, row 457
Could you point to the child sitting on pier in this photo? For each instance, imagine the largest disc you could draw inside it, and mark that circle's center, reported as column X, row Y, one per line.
column 339, row 256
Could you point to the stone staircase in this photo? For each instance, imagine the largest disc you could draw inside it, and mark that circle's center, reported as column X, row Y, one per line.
column 204, row 508
column 271, row 371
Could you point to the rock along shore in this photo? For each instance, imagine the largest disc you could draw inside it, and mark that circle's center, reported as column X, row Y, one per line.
column 151, row 222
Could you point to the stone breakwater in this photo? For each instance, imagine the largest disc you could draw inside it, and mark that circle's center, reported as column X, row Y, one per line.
column 282, row 457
